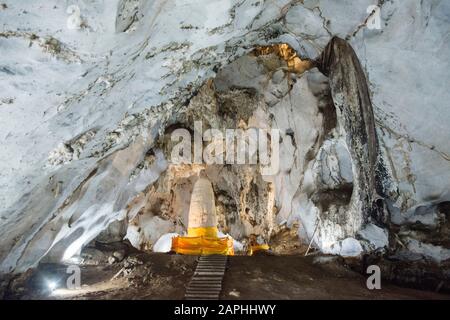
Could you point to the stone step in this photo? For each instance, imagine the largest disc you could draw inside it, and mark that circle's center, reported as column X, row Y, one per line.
column 216, row 293
column 203, row 290
column 194, row 297
column 206, row 285
column 206, row 282
column 202, row 295
column 208, row 273
column 221, row 265
column 210, row 269
column 219, row 269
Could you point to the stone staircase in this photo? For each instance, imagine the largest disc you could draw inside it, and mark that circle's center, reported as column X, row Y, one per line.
column 206, row 283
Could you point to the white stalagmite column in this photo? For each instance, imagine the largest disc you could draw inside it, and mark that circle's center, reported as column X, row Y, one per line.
column 202, row 210
column 202, row 236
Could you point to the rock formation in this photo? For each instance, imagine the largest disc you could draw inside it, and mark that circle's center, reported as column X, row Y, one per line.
column 202, row 209
column 87, row 114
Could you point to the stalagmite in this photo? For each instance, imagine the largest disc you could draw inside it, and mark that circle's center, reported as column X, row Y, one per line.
column 202, row 211
column 202, row 225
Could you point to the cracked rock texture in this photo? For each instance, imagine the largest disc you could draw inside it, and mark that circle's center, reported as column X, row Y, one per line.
column 88, row 102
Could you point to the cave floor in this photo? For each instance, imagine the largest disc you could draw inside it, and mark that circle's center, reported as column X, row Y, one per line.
column 298, row 277
column 164, row 276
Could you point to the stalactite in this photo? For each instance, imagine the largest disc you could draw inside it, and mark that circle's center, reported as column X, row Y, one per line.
column 351, row 98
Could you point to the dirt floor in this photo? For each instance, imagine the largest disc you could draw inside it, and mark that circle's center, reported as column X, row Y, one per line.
column 299, row 277
column 141, row 276
column 164, row 276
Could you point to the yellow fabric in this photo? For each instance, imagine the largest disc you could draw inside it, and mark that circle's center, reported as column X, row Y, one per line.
column 208, row 232
column 203, row 245
column 258, row 247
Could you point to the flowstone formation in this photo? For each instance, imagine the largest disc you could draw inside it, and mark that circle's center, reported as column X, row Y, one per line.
column 93, row 92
